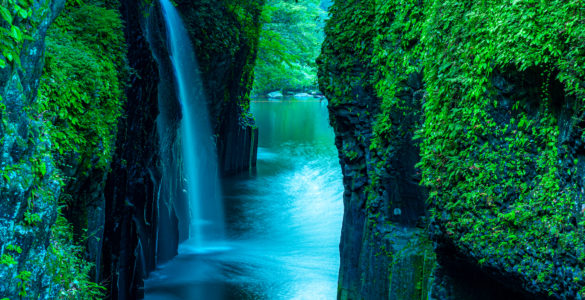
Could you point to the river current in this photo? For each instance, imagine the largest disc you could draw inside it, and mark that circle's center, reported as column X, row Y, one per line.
column 283, row 219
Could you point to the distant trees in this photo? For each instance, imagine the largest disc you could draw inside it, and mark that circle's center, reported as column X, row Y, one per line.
column 290, row 41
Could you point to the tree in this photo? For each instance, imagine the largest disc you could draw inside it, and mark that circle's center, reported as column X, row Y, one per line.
column 290, row 42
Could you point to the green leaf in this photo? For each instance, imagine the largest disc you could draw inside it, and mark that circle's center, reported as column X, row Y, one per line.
column 22, row 13
column 6, row 14
column 17, row 60
column 43, row 169
column 16, row 33
column 6, row 178
column 24, row 3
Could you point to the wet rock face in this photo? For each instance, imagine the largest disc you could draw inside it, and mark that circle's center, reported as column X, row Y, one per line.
column 129, row 204
column 132, row 187
column 28, row 188
column 505, row 171
column 383, row 253
column 146, row 209
column 348, row 129
column 520, row 98
column 226, row 49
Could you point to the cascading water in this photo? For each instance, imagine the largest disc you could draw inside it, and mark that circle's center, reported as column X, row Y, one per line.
column 199, row 154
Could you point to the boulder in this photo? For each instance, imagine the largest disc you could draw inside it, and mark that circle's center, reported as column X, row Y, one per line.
column 302, row 95
column 275, row 94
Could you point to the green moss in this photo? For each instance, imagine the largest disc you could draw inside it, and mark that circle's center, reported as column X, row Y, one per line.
column 81, row 92
column 225, row 32
column 15, row 25
column 346, row 50
column 501, row 183
column 68, row 265
column 80, row 101
column 496, row 185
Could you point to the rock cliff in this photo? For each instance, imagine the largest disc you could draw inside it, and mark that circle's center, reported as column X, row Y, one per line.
column 85, row 188
column 148, row 213
column 225, row 36
column 465, row 130
column 29, row 184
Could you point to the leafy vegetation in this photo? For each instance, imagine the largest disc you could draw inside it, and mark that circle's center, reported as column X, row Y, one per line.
column 15, row 18
column 80, row 100
column 500, row 122
column 522, row 184
column 74, row 121
column 67, row 263
column 81, row 90
column 223, row 32
column 290, row 41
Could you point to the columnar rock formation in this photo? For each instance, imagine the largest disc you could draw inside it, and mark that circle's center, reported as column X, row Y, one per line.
column 464, row 120
column 91, row 145
column 146, row 190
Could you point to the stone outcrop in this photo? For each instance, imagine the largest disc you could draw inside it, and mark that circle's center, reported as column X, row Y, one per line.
column 384, row 252
column 225, row 37
column 146, row 208
column 441, row 136
column 132, row 209
column 29, row 187
column 133, row 186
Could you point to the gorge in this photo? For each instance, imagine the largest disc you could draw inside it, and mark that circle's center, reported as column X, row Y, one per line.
column 445, row 161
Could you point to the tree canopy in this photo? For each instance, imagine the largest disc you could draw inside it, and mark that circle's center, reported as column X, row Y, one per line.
column 290, row 41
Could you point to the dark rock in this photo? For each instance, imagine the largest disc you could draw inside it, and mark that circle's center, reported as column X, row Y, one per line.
column 382, row 183
column 226, row 50
column 23, row 190
column 147, row 213
column 133, row 186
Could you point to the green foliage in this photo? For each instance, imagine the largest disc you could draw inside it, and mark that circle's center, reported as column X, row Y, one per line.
column 290, row 40
column 245, row 13
column 14, row 248
column 68, row 265
column 23, row 279
column 500, row 195
column 346, row 51
column 80, row 100
column 31, row 219
column 14, row 24
column 224, row 32
column 81, row 90
column 7, row 259
column 496, row 184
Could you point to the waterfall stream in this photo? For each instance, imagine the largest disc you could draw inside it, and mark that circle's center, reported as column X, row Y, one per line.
column 283, row 220
column 199, row 153
column 280, row 239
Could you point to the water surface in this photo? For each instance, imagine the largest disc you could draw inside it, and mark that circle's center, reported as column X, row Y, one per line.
column 283, row 219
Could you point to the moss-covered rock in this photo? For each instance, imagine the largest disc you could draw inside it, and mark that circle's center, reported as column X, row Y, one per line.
column 147, row 214
column 374, row 125
column 81, row 95
column 58, row 149
column 496, row 116
column 29, row 185
column 225, row 37
column 502, row 139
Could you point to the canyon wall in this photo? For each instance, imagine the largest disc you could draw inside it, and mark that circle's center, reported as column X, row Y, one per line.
column 146, row 187
column 225, row 36
column 464, row 131
column 29, row 185
column 89, row 138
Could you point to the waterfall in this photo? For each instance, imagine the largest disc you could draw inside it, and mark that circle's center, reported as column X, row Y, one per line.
column 199, row 152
